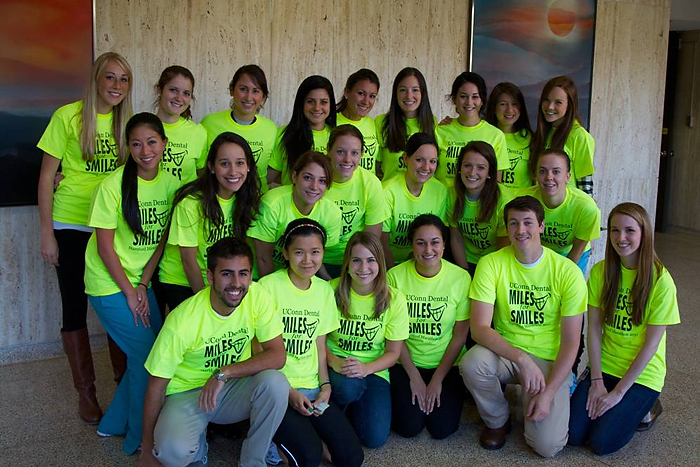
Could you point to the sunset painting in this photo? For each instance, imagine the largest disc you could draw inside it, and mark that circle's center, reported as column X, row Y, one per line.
column 527, row 42
column 45, row 60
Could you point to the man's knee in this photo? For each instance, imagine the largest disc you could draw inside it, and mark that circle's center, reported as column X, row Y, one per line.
column 272, row 386
column 172, row 451
column 477, row 363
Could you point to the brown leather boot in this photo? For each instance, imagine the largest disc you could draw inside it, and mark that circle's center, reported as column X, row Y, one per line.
column 76, row 344
column 118, row 359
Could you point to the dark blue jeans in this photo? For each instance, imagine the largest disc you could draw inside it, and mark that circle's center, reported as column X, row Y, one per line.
column 612, row 431
column 367, row 403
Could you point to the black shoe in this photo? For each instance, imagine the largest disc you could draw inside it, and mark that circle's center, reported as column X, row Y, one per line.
column 653, row 415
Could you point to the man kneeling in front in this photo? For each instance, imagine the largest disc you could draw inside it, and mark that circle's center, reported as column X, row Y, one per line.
column 201, row 367
column 536, row 299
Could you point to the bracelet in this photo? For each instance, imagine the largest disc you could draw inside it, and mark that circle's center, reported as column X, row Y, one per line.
column 596, row 379
column 141, row 283
column 324, row 383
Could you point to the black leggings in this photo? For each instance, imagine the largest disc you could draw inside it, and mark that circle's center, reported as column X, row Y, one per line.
column 71, row 277
column 408, row 420
column 300, row 437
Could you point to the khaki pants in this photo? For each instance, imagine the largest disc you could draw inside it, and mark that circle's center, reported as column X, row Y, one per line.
column 483, row 373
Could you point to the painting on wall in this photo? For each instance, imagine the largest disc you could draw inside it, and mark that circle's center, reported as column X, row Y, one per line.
column 528, row 42
column 46, row 52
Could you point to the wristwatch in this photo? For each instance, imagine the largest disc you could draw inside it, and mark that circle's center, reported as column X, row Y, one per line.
column 220, row 376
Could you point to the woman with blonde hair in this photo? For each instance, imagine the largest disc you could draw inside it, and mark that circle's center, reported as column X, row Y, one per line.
column 87, row 140
column 631, row 301
column 373, row 325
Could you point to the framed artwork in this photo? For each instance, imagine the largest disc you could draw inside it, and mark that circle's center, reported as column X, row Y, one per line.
column 46, row 53
column 528, row 42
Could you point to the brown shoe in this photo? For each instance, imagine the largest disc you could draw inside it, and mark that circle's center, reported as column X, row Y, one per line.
column 494, row 438
column 76, row 345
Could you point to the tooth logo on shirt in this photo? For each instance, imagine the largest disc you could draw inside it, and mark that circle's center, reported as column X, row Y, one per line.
column 541, row 302
column 436, row 313
column 349, row 216
column 514, row 162
column 257, row 153
column 371, row 333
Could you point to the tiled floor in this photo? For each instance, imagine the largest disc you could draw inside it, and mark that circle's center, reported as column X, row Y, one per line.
column 39, row 425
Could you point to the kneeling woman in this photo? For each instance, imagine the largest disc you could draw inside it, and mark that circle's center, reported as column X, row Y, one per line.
column 426, row 389
column 373, row 324
column 631, row 301
column 129, row 212
column 309, row 314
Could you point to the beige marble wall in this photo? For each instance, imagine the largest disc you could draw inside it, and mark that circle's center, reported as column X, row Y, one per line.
column 629, row 71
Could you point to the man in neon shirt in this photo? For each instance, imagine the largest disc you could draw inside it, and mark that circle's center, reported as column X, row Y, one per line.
column 202, row 369
column 536, row 299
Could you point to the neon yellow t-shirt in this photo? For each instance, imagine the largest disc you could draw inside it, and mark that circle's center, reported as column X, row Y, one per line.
column 517, row 175
column 362, row 336
column 622, row 340
column 155, row 198
column 71, row 201
column 530, row 302
column 189, row 228
column 579, row 146
column 306, row 314
column 434, row 304
column 361, row 203
column 402, row 207
column 186, row 150
column 480, row 237
column 454, row 136
column 277, row 210
column 278, row 159
column 577, row 217
column 196, row 340
column 370, row 149
column 260, row 135
column 392, row 162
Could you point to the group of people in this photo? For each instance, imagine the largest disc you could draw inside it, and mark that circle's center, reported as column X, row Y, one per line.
column 342, row 276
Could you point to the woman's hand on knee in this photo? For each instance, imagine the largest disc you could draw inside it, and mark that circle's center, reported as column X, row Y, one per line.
column 595, row 392
column 432, row 396
column 147, row 459
column 418, row 392
column 606, row 403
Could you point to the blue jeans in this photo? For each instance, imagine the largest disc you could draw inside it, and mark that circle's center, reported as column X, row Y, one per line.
column 367, row 403
column 125, row 413
column 610, row 432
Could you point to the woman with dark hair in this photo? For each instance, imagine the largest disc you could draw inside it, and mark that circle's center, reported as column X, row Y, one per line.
column 373, row 324
column 409, row 113
column 359, row 96
column 308, row 311
column 313, row 118
column 248, row 89
column 468, row 95
column 356, row 191
column 311, row 177
column 187, row 141
column 222, row 202
column 426, row 388
column 506, row 110
column 475, row 212
column 86, row 140
column 411, row 194
column 129, row 212
column 631, row 302
column 559, row 127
